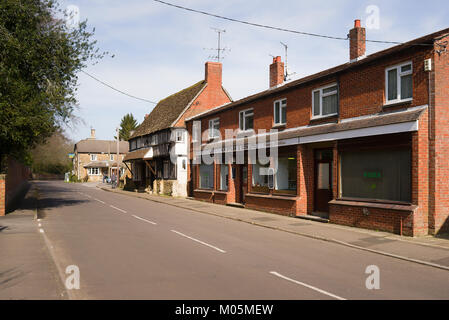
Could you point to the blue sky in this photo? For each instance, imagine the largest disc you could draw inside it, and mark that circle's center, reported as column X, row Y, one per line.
column 159, row 50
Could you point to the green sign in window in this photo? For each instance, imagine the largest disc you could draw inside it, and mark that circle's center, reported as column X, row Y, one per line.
column 371, row 174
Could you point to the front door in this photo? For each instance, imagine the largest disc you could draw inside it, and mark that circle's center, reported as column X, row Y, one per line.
column 243, row 177
column 323, row 181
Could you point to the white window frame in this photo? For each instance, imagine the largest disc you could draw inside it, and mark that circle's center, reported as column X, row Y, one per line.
column 321, row 101
column 179, row 136
column 246, row 113
column 111, row 157
column 196, row 128
column 93, row 157
column 214, row 133
column 90, row 171
column 399, row 74
column 282, row 105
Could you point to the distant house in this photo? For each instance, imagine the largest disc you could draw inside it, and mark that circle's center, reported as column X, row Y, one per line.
column 158, row 147
column 95, row 158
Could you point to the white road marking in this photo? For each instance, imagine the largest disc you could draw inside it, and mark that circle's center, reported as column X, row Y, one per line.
column 307, row 285
column 100, row 201
column 199, row 241
column 137, row 217
column 39, row 225
column 118, row 209
column 41, row 230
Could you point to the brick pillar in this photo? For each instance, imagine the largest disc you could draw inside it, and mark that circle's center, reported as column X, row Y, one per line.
column 2, row 194
column 231, row 197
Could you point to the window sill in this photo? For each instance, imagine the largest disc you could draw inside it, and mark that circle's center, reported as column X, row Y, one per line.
column 204, row 190
column 279, row 125
column 397, row 103
column 390, row 206
column 328, row 116
column 269, row 196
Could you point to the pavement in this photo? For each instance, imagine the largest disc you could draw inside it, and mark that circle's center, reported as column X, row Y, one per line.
column 429, row 250
column 127, row 247
column 27, row 270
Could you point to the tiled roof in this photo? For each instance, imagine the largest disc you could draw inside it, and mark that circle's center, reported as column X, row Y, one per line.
column 168, row 110
column 137, row 154
column 426, row 40
column 99, row 146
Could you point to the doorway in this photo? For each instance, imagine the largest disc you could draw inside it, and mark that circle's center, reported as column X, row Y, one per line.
column 323, row 182
column 243, row 178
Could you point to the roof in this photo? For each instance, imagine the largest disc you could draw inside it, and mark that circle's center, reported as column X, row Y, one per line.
column 380, row 119
column 168, row 110
column 422, row 41
column 137, row 154
column 102, row 164
column 99, row 146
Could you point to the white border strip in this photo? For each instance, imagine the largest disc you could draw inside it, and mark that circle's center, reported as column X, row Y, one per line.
column 306, row 285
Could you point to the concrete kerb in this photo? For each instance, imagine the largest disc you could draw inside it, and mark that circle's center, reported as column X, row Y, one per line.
column 307, row 235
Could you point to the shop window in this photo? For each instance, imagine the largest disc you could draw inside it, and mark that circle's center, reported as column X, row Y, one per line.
column 224, row 174
column 285, row 177
column 260, row 177
column 206, row 176
column 376, row 174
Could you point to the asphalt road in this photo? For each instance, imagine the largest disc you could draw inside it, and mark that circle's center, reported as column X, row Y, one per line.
column 131, row 248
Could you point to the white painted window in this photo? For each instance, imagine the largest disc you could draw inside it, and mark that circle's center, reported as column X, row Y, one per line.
column 179, row 136
column 93, row 171
column 111, row 157
column 280, row 112
column 224, row 175
column 325, row 101
column 214, row 128
column 399, row 83
column 93, row 157
column 196, row 131
column 246, row 120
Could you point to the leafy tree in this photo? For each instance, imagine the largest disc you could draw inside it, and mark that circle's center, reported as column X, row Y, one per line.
column 52, row 156
column 128, row 124
column 39, row 58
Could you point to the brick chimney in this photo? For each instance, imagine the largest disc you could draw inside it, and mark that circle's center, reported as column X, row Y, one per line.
column 357, row 42
column 276, row 72
column 213, row 72
column 92, row 134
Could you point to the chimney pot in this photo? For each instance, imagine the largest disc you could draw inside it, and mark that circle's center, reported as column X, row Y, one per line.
column 276, row 72
column 357, row 41
column 92, row 133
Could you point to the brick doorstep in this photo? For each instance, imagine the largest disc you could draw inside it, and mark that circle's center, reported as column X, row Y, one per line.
column 426, row 250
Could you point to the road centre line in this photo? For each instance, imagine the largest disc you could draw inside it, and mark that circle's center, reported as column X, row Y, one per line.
column 100, row 201
column 199, row 241
column 306, row 285
column 137, row 217
column 117, row 208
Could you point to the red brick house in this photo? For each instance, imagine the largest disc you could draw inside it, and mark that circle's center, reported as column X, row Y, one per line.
column 158, row 146
column 363, row 144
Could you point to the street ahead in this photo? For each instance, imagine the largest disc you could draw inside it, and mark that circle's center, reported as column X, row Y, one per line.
column 131, row 248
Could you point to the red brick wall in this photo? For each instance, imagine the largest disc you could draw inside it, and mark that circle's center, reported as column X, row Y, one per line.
column 11, row 183
column 2, row 195
column 279, row 206
column 440, row 218
column 378, row 219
